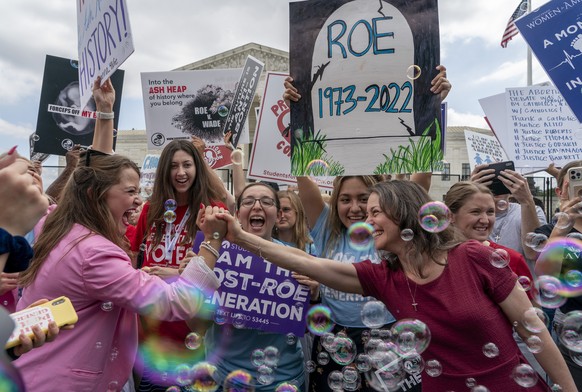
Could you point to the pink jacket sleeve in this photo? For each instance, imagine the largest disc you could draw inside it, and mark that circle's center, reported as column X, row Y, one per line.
column 108, row 276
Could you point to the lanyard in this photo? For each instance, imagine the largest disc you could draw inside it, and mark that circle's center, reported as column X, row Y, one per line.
column 171, row 242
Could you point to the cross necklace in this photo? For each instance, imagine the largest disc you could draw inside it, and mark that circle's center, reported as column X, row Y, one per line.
column 413, row 296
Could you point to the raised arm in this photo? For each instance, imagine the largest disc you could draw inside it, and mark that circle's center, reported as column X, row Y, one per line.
column 340, row 276
column 72, row 159
column 239, row 180
column 104, row 99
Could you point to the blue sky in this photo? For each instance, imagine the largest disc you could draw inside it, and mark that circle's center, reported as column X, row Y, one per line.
column 170, row 34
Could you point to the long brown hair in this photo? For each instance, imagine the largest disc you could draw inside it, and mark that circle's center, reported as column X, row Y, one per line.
column 300, row 231
column 83, row 202
column 334, row 224
column 201, row 190
column 401, row 201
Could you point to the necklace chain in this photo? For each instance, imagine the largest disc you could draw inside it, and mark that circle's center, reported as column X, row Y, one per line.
column 413, row 296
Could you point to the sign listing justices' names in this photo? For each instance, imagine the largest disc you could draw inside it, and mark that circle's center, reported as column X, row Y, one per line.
column 256, row 294
column 105, row 41
column 543, row 128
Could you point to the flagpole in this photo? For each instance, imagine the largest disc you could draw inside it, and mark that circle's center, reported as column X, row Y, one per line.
column 529, row 66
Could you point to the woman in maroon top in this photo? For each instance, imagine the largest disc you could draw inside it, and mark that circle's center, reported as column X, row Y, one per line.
column 451, row 287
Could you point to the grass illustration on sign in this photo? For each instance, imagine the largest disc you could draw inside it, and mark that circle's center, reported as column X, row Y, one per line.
column 424, row 155
column 310, row 157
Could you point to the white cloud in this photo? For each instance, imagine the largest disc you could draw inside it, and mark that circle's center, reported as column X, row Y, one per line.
column 14, row 130
column 465, row 119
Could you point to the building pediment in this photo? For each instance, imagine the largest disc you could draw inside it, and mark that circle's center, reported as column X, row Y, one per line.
column 274, row 59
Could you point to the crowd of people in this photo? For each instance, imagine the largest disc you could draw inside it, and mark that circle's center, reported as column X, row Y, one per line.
column 461, row 306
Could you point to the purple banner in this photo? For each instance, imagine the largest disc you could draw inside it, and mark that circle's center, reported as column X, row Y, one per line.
column 256, row 294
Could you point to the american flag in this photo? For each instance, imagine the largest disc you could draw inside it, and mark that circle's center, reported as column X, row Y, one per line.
column 511, row 31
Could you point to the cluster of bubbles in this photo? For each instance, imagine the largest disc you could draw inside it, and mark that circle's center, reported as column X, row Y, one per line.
column 200, row 378
column 393, row 355
column 434, row 216
column 170, row 206
column 265, row 360
column 360, row 236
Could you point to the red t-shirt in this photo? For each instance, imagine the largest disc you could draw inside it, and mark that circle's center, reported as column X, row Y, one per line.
column 517, row 264
column 155, row 256
column 461, row 309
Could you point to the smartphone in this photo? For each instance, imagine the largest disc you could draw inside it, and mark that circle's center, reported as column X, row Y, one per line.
column 575, row 184
column 497, row 187
column 60, row 310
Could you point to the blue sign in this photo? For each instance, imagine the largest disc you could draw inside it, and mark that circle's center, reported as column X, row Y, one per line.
column 554, row 33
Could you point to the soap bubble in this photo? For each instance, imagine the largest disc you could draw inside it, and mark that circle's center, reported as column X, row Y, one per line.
column 524, row 375
column 360, row 236
column 434, row 217
column 319, row 320
column 170, row 205
column 413, row 72
column 169, row 216
column 193, row 341
column 374, row 314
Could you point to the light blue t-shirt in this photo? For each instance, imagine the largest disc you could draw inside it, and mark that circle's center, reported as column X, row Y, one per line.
column 229, row 349
column 346, row 308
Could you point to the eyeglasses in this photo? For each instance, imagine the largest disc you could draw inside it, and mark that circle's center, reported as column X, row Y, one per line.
column 249, row 202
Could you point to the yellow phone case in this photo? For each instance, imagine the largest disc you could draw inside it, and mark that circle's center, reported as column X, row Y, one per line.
column 60, row 310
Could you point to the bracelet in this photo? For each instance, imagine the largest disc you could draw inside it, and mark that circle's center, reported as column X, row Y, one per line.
column 105, row 116
column 206, row 245
column 20, row 251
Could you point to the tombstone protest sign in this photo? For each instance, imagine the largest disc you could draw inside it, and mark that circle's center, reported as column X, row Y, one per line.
column 364, row 70
column 62, row 121
column 483, row 149
column 542, row 128
column 104, row 41
column 270, row 158
column 256, row 294
column 553, row 32
column 180, row 104
column 243, row 98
